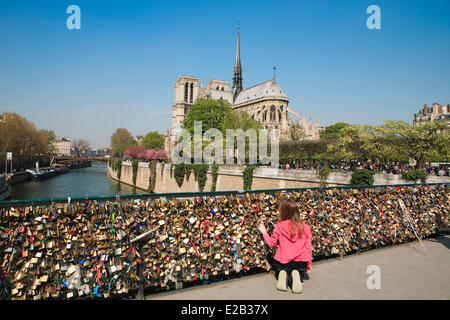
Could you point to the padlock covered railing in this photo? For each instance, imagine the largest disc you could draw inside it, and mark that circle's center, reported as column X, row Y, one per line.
column 111, row 247
column 102, row 199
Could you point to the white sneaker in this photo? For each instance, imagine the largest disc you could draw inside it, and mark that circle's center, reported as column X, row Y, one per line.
column 281, row 284
column 296, row 282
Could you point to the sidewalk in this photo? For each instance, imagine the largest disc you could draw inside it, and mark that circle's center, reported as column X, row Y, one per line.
column 406, row 273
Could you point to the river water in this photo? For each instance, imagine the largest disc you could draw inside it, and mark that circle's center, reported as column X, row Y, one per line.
column 91, row 182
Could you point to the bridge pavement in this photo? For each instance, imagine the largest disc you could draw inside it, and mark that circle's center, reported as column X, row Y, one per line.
column 406, row 273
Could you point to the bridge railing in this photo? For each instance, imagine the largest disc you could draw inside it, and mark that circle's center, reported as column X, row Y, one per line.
column 101, row 199
column 134, row 228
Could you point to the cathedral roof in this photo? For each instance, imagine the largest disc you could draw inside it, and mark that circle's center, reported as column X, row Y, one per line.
column 266, row 89
column 219, row 94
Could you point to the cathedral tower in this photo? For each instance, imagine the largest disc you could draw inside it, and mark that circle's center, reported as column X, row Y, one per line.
column 237, row 71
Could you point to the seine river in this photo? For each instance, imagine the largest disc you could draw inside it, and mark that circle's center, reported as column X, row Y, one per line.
column 92, row 181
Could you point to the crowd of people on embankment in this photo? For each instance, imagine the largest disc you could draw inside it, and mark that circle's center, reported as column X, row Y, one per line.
column 395, row 168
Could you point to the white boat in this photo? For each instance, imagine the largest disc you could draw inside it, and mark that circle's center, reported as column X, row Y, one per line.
column 5, row 189
column 41, row 174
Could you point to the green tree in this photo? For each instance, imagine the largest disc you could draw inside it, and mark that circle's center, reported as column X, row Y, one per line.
column 378, row 145
column 240, row 120
column 421, row 142
column 443, row 146
column 362, row 178
column 304, row 150
column 121, row 139
column 153, row 140
column 347, row 144
column 218, row 114
column 332, row 132
column 211, row 112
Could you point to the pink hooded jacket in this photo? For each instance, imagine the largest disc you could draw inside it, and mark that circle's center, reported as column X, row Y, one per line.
column 290, row 248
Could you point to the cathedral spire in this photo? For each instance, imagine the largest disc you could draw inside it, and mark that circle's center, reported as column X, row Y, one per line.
column 237, row 71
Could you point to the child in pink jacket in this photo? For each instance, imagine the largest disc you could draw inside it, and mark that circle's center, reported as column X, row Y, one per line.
column 294, row 254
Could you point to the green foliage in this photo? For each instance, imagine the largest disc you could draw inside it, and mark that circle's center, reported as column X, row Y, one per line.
column 421, row 142
column 362, row 178
column 153, row 140
column 333, row 131
column 200, row 174
column 303, row 150
column 120, row 141
column 347, row 145
column 171, row 170
column 135, row 165
column 188, row 170
column 240, row 120
column 133, row 143
column 218, row 114
column 152, row 177
column 414, row 175
column 210, row 112
column 215, row 174
column 443, row 146
column 179, row 173
column 391, row 142
column 117, row 167
column 248, row 177
column 322, row 175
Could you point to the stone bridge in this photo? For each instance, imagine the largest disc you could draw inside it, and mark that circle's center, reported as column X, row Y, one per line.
column 63, row 160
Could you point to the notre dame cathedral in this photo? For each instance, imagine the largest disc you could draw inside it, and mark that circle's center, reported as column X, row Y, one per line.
column 265, row 102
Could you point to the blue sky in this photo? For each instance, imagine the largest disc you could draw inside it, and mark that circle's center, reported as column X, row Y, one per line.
column 119, row 70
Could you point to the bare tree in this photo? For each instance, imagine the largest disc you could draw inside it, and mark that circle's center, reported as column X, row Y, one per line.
column 80, row 146
column 23, row 139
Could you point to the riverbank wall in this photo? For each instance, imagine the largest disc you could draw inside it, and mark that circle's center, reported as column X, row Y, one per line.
column 18, row 177
column 230, row 178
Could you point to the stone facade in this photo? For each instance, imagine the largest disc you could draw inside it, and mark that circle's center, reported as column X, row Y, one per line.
column 62, row 146
column 435, row 113
column 265, row 102
column 230, row 178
